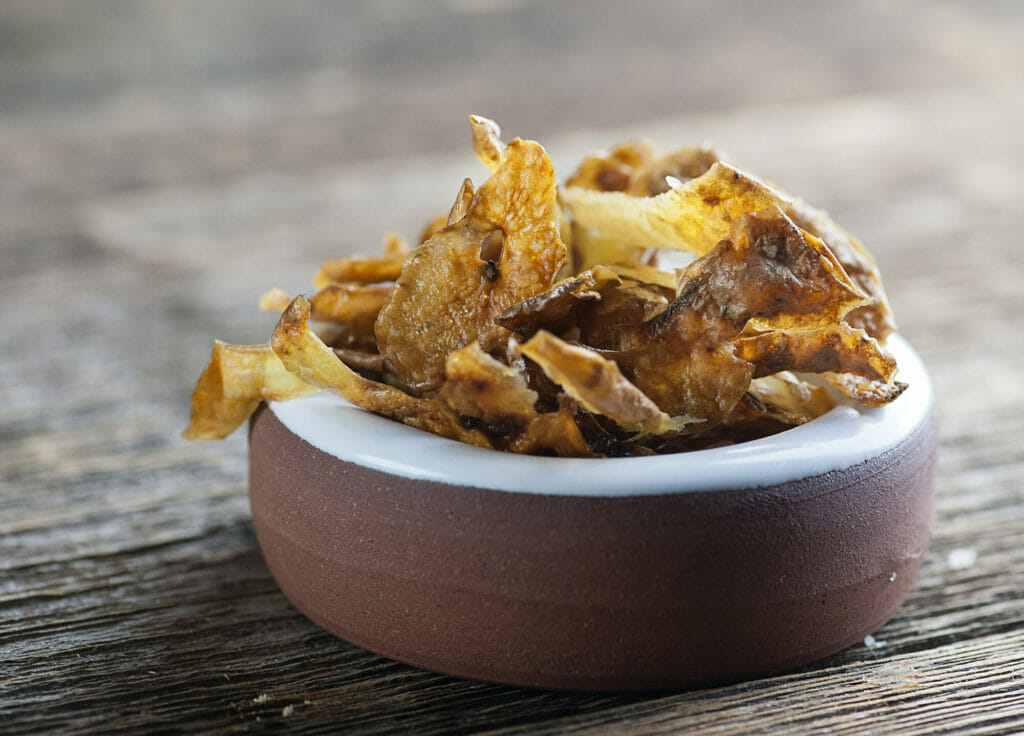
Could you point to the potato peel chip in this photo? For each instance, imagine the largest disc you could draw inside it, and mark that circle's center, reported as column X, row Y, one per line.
column 768, row 273
column 556, row 432
column 235, row 381
column 480, row 386
column 487, row 143
column 614, row 170
column 469, row 336
column 785, row 398
column 656, row 176
column 874, row 317
column 596, row 383
column 555, row 308
column 306, row 356
column 696, row 213
column 447, row 295
column 869, row 392
column 693, row 217
column 834, row 349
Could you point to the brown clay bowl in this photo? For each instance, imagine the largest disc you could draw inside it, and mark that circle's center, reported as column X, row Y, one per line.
column 608, row 574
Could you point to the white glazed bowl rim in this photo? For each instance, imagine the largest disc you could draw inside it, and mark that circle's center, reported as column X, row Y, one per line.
column 844, row 437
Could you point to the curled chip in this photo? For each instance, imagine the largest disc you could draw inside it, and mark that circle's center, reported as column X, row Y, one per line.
column 236, row 380
column 453, row 285
column 534, row 319
column 595, row 382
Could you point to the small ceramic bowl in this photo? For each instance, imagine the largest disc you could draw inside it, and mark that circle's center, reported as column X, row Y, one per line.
column 597, row 574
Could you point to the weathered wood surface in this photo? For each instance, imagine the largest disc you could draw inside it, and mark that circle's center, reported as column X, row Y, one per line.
column 161, row 164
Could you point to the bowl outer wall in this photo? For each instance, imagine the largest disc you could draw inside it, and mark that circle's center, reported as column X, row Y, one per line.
column 595, row 593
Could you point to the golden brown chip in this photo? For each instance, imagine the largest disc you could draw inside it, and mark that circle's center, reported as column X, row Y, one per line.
column 487, row 143
column 610, row 323
column 596, row 383
column 865, row 390
column 447, row 295
column 336, row 302
column 363, row 360
column 306, row 356
column 769, row 273
column 481, row 388
column 696, row 214
column 656, row 176
column 688, row 377
column 839, row 349
column 785, row 398
column 622, row 358
column 235, row 381
column 876, row 316
column 646, row 275
column 477, row 385
column 353, row 308
column 612, row 171
column 556, row 308
column 555, row 432
column 359, row 270
column 460, row 209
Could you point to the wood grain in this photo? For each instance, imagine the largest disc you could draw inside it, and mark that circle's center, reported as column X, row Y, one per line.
column 163, row 164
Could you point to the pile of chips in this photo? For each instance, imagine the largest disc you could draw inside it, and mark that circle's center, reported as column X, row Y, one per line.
column 534, row 318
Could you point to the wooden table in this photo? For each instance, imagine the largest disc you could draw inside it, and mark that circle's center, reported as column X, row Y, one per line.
column 161, row 164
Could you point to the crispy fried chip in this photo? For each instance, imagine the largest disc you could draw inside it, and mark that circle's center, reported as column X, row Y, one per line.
column 306, row 356
column 557, row 307
column 555, row 432
column 479, row 386
column 496, row 399
column 359, row 270
column 353, row 303
column 694, row 215
column 770, row 273
column 235, row 381
column 487, row 143
column 874, row 317
column 363, row 269
column 535, row 320
column 836, row 349
column 783, row 397
column 865, row 390
column 447, row 295
column 656, row 177
column 614, row 170
column 608, row 323
column 595, row 382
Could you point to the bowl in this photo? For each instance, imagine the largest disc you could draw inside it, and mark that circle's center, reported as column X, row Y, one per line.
column 640, row 573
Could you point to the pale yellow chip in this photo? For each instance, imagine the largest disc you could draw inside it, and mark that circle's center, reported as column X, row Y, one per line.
column 693, row 217
column 235, row 381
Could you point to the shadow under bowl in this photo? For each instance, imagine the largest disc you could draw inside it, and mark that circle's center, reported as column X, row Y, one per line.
column 597, row 574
